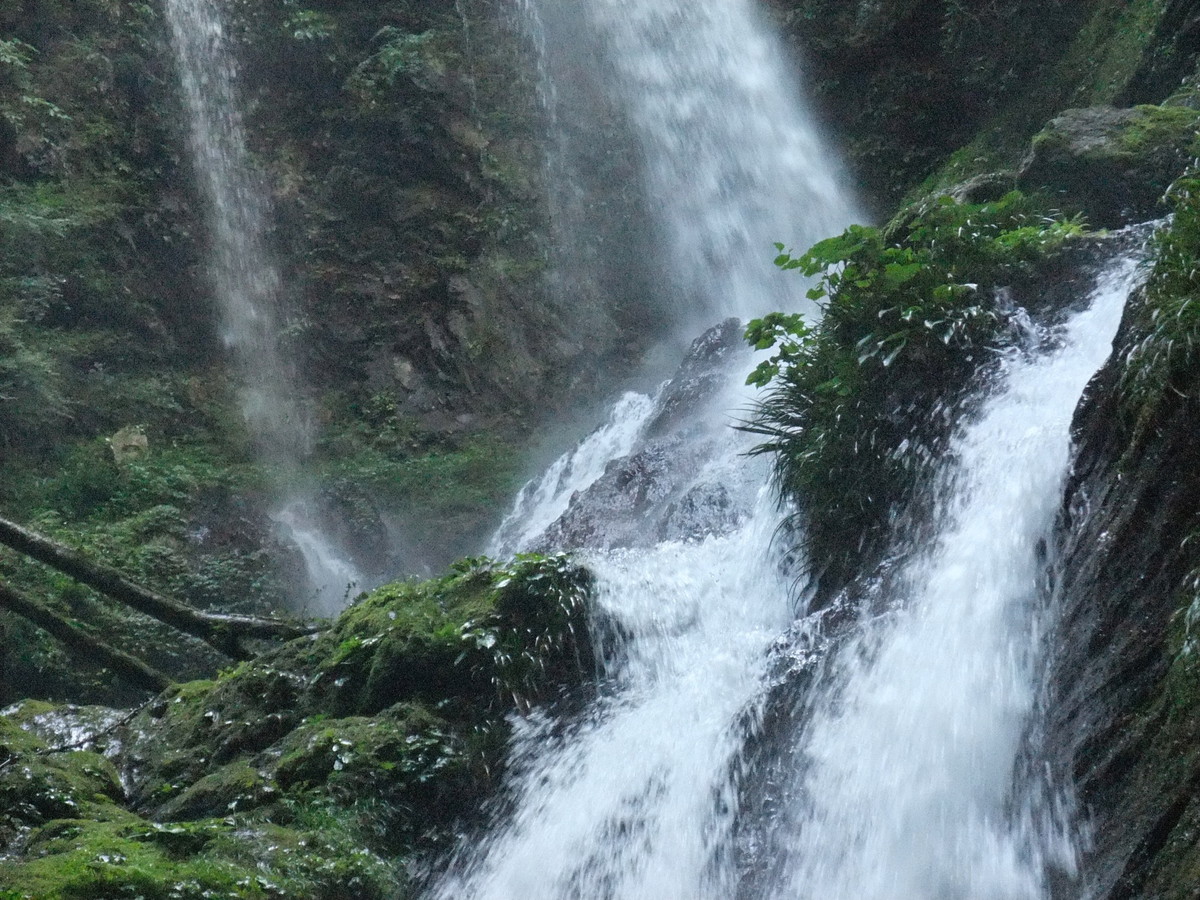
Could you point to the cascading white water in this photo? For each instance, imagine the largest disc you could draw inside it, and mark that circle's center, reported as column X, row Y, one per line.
column 544, row 499
column 638, row 799
column 912, row 742
column 245, row 278
column 905, row 783
column 733, row 159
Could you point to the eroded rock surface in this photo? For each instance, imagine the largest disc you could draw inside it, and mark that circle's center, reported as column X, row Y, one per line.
column 668, row 488
column 1124, row 723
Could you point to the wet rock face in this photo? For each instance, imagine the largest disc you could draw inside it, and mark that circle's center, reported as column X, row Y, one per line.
column 1114, row 165
column 663, row 490
column 1124, row 721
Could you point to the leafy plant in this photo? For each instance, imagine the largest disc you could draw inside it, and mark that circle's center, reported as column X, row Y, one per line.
column 306, row 25
column 399, row 55
column 907, row 315
column 522, row 643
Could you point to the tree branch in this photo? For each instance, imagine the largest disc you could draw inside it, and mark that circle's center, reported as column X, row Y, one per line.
column 223, row 632
column 131, row 669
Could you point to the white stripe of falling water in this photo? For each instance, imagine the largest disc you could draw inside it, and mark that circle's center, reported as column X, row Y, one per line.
column 542, row 500
column 639, row 800
column 734, row 160
column 911, row 760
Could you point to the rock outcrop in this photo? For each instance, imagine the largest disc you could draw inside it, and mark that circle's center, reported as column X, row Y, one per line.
column 1124, row 720
column 1113, row 165
column 663, row 489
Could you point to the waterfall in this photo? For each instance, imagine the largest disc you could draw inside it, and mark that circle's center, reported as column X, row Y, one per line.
column 902, row 779
column 733, row 160
column 681, row 151
column 246, row 279
column 544, row 499
column 904, row 775
column 638, row 797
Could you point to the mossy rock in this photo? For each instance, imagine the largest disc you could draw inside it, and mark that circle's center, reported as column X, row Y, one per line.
column 80, row 859
column 317, row 771
column 473, row 642
column 38, row 786
column 1113, row 165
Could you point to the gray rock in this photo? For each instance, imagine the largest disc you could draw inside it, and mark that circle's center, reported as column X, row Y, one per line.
column 1113, row 165
column 661, row 491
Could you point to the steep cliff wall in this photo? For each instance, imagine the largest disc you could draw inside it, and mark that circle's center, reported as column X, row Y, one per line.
column 1125, row 676
column 951, row 89
column 403, row 147
column 1125, row 711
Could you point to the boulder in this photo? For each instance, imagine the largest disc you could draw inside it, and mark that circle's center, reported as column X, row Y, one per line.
column 1113, row 165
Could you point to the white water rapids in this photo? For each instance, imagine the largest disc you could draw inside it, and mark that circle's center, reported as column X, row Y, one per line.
column 904, row 784
column 912, row 743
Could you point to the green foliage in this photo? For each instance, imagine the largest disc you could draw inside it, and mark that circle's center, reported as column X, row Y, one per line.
column 907, row 315
column 379, row 462
column 1162, row 358
column 399, row 56
column 306, row 25
column 32, row 399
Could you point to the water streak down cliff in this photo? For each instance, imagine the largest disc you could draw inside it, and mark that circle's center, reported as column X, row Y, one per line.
column 247, row 282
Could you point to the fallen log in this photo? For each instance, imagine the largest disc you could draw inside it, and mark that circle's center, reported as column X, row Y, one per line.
column 128, row 667
column 222, row 632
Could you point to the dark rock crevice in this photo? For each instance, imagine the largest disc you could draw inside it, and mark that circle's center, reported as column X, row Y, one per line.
column 1123, row 724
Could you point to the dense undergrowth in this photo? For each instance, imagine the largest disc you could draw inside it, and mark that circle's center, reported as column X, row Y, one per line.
column 1162, row 355
column 860, row 401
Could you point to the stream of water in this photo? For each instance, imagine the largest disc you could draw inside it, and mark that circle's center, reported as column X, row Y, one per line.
column 248, row 286
column 902, row 781
column 909, row 753
column 902, row 777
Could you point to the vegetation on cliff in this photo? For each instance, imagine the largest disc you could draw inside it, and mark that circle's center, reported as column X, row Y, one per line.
column 859, row 402
column 403, row 163
column 942, row 91
column 1162, row 349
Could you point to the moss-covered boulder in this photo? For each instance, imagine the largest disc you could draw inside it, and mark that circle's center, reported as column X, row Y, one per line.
column 1113, row 165
column 317, row 771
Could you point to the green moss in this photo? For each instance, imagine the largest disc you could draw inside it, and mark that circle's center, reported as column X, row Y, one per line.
column 1161, row 126
column 1107, row 52
column 77, row 859
column 37, row 786
column 315, row 772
